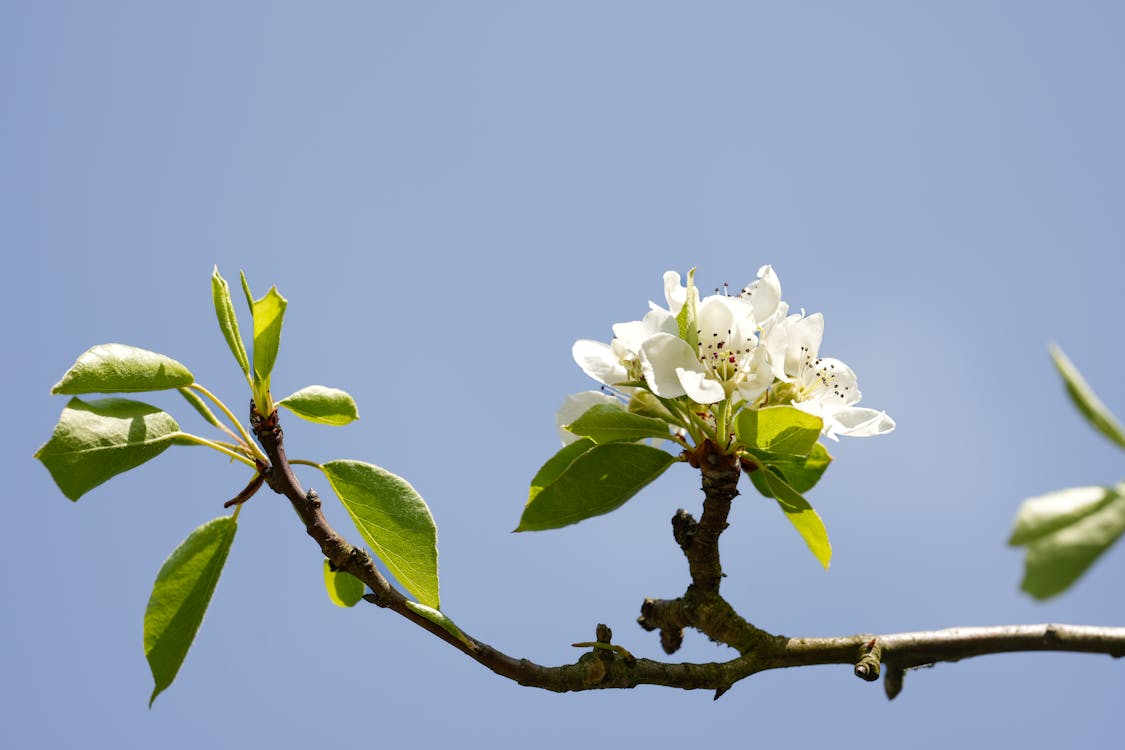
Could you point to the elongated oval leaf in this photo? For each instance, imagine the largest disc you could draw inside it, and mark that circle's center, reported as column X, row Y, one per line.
column 779, row 429
column 555, row 466
column 804, row 519
column 344, row 589
column 180, row 597
column 394, row 521
column 1086, row 400
column 317, row 403
column 268, row 312
column 99, row 439
column 1064, row 533
column 200, row 407
column 597, row 481
column 608, row 423
column 119, row 368
column 228, row 319
column 441, row 620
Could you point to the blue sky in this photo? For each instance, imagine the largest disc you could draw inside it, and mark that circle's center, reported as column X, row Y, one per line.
column 449, row 196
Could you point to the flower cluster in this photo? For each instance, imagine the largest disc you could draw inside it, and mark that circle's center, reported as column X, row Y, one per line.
column 706, row 359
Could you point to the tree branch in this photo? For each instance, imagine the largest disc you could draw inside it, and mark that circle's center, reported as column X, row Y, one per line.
column 700, row 607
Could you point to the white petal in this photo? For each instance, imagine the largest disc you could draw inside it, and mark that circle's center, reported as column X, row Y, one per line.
column 803, row 344
column 856, row 421
column 661, row 355
column 598, row 361
column 764, row 295
column 831, row 382
column 757, row 377
column 574, row 406
column 675, row 294
column 700, row 388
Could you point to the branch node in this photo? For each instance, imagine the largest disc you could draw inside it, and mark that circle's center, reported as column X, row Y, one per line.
column 602, row 634
column 870, row 656
column 313, row 498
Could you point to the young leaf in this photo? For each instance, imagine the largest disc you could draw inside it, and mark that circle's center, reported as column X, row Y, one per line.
column 344, row 589
column 608, row 423
column 96, row 440
column 200, row 406
column 1086, row 400
column 268, row 312
column 555, row 465
column 317, row 403
column 799, row 472
column 804, row 519
column 1065, row 532
column 118, row 368
column 394, row 521
column 442, row 621
column 180, row 597
column 778, row 429
column 686, row 319
column 598, row 480
column 228, row 320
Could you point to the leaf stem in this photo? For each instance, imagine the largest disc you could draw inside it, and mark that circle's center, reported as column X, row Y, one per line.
column 216, row 446
column 247, row 440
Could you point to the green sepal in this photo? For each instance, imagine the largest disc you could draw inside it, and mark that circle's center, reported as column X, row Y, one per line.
column 394, row 521
column 799, row 472
column 99, row 439
column 805, row 520
column 119, row 368
column 344, row 589
column 1064, row 533
column 228, row 320
column 782, row 430
column 609, row 423
column 441, row 620
column 1088, row 403
column 322, row 405
column 594, row 481
column 180, row 597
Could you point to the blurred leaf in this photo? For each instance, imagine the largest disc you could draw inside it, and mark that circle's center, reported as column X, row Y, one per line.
column 1065, row 532
column 778, row 429
column 607, row 423
column 394, row 521
column 344, row 589
column 596, row 481
column 118, row 368
column 799, row 472
column 1086, row 400
column 317, row 403
column 801, row 515
column 442, row 621
column 180, row 597
column 99, row 439
column 228, row 319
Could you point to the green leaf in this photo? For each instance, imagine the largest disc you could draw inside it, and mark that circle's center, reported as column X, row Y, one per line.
column 648, row 404
column 799, row 472
column 268, row 312
column 608, row 423
column 99, row 439
column 200, row 406
column 555, row 466
column 317, row 403
column 228, row 320
column 180, row 597
column 778, row 429
column 1086, row 400
column 1064, row 533
column 118, row 368
column 440, row 619
column 596, row 481
column 344, row 589
column 394, row 521
column 804, row 519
